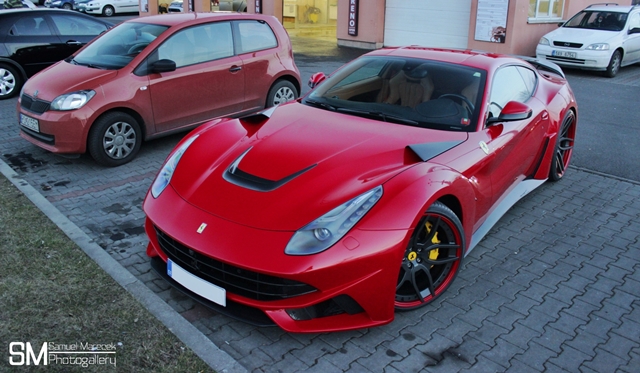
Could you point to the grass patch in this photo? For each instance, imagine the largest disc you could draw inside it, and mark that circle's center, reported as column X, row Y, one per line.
column 50, row 291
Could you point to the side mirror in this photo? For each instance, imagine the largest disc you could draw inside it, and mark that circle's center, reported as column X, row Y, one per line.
column 163, row 66
column 512, row 111
column 560, row 24
column 316, row 79
column 635, row 30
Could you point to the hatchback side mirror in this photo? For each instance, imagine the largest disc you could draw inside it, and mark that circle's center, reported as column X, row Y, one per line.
column 512, row 111
column 163, row 66
column 635, row 30
column 316, row 79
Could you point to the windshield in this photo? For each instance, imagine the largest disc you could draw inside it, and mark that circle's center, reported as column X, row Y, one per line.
column 115, row 49
column 416, row 92
column 601, row 20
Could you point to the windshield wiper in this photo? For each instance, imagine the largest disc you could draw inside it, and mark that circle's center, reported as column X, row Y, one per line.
column 323, row 105
column 377, row 114
column 73, row 61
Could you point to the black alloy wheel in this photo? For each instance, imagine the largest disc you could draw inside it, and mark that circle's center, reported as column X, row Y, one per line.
column 564, row 147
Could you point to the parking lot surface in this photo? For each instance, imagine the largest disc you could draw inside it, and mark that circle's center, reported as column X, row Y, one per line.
column 554, row 286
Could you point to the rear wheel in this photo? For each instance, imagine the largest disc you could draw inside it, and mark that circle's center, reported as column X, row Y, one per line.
column 564, row 147
column 432, row 260
column 114, row 139
column 281, row 92
column 614, row 64
column 67, row 6
column 108, row 11
column 10, row 81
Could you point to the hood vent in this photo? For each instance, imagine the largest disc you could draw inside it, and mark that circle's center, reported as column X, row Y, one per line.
column 236, row 176
column 429, row 150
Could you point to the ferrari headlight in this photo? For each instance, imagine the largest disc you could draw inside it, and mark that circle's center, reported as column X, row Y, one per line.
column 599, row 47
column 325, row 231
column 72, row 101
column 165, row 174
column 543, row 41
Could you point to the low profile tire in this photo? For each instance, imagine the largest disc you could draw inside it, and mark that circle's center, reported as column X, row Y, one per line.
column 614, row 64
column 108, row 11
column 281, row 92
column 564, row 147
column 432, row 260
column 10, row 81
column 114, row 139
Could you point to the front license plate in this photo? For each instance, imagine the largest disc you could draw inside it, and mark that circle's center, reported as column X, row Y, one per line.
column 29, row 123
column 563, row 54
column 197, row 285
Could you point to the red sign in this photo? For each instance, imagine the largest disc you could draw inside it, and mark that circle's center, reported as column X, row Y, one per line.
column 259, row 6
column 353, row 17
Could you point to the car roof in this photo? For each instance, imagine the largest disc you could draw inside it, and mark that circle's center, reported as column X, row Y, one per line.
column 609, row 8
column 173, row 19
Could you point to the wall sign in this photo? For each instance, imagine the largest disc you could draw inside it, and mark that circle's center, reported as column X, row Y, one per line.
column 491, row 20
column 353, row 17
column 258, row 6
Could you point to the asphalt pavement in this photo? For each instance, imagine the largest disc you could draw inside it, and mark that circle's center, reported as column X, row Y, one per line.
column 554, row 286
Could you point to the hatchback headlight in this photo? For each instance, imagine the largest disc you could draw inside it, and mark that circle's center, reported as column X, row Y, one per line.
column 165, row 174
column 599, row 47
column 72, row 101
column 325, row 231
column 544, row 41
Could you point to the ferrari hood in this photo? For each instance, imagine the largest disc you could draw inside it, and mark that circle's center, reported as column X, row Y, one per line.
column 301, row 163
column 64, row 77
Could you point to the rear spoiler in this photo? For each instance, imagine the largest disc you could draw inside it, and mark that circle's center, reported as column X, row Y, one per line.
column 543, row 65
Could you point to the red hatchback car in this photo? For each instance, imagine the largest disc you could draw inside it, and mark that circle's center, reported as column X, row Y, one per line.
column 157, row 75
column 363, row 197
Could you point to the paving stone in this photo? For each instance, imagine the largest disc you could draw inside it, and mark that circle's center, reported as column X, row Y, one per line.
column 520, row 336
column 604, row 361
column 535, row 356
column 502, row 352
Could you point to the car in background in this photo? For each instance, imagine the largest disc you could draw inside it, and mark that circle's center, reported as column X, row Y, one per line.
column 80, row 5
column 364, row 197
column 108, row 8
column 177, row 7
column 233, row 5
column 62, row 4
column 155, row 76
column 34, row 39
column 25, row 4
column 601, row 37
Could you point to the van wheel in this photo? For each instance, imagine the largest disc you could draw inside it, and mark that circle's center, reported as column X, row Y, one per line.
column 10, row 81
column 114, row 139
column 281, row 92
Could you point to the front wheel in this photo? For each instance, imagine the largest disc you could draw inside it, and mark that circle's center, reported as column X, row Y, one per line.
column 67, row 6
column 432, row 259
column 564, row 147
column 10, row 81
column 614, row 64
column 108, row 11
column 281, row 92
column 114, row 139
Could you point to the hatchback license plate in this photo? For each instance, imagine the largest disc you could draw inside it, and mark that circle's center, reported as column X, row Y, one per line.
column 197, row 285
column 563, row 54
column 29, row 123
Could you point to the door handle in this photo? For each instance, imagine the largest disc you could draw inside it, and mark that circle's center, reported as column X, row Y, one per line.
column 73, row 42
column 235, row 68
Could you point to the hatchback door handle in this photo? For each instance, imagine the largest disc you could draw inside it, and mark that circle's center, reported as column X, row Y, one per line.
column 235, row 68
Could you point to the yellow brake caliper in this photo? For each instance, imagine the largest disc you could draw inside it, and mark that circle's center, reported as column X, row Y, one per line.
column 433, row 254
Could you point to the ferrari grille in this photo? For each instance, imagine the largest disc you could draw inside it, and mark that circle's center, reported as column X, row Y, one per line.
column 34, row 105
column 233, row 279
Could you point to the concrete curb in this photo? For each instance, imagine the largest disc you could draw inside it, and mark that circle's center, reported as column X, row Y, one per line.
column 184, row 330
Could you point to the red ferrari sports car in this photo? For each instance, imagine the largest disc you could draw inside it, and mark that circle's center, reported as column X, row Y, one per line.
column 331, row 212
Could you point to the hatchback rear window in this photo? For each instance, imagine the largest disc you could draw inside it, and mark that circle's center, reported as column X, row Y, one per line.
column 255, row 36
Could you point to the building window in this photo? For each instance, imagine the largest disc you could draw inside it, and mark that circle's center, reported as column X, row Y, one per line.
column 545, row 9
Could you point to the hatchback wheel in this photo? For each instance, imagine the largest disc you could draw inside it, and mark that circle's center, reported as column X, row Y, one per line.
column 67, row 6
column 614, row 64
column 108, row 11
column 564, row 147
column 10, row 81
column 432, row 260
column 114, row 139
column 281, row 92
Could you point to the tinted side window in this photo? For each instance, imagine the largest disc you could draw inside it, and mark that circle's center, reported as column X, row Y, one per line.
column 529, row 77
column 254, row 36
column 68, row 25
column 198, row 44
column 508, row 85
column 30, row 26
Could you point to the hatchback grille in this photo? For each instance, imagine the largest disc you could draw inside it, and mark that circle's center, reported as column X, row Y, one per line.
column 567, row 44
column 233, row 279
column 34, row 105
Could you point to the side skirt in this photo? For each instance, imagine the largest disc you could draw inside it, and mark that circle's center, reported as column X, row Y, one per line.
column 521, row 190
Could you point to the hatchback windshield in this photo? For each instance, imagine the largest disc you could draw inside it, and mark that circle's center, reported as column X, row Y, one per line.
column 422, row 93
column 115, row 49
column 602, row 20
